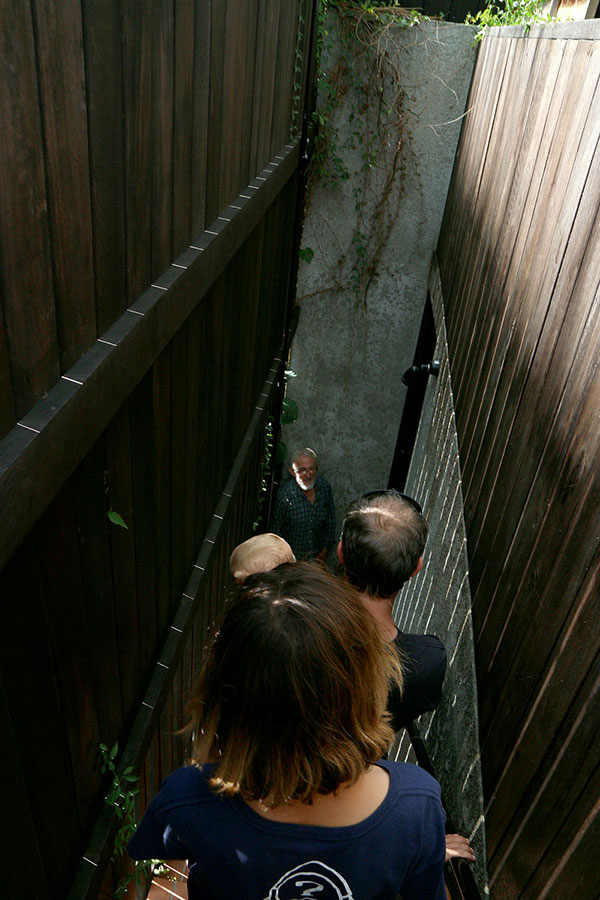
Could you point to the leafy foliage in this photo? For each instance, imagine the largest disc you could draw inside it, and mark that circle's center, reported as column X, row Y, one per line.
column 121, row 797
column 510, row 12
column 265, row 471
column 298, row 67
column 289, row 411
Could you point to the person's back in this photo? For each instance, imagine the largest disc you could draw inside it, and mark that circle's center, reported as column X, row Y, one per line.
column 290, row 709
column 235, row 851
column 381, row 548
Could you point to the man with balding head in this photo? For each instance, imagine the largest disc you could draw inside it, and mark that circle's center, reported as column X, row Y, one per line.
column 381, row 548
column 304, row 515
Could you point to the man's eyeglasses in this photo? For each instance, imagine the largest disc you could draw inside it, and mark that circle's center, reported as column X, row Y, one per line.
column 306, row 470
column 390, row 492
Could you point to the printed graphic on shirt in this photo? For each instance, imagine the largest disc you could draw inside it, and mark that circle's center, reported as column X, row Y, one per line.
column 311, row 879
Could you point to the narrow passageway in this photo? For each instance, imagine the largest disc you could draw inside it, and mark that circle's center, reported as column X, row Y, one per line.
column 152, row 188
column 352, row 346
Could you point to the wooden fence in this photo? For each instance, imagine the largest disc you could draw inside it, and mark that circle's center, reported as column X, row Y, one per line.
column 149, row 172
column 520, row 271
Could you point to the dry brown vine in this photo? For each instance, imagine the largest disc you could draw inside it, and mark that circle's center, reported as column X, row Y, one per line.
column 368, row 72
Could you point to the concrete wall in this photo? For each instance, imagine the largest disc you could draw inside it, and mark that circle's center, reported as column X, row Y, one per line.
column 349, row 355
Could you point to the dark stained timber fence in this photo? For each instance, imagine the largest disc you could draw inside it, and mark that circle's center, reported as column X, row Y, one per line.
column 520, row 269
column 149, row 172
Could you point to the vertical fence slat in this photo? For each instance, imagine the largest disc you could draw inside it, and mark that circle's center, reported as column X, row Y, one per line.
column 70, row 642
column 238, row 86
column 204, row 423
column 215, row 150
column 182, row 124
column 179, row 378
column 200, row 129
column 104, row 82
column 24, row 858
column 137, row 75
column 59, row 40
column 144, row 506
column 286, row 43
column 162, row 136
column 192, row 459
column 25, row 262
column 122, row 547
column 29, row 673
column 95, row 561
column 7, row 408
column 264, row 83
column 161, row 449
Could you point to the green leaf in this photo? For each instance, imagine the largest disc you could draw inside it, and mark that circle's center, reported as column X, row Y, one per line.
column 306, row 253
column 289, row 411
column 115, row 747
column 116, row 519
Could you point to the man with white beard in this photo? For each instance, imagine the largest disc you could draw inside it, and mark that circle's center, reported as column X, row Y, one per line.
column 304, row 515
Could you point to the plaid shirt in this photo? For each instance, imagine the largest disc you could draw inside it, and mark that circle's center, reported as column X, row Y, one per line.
column 306, row 526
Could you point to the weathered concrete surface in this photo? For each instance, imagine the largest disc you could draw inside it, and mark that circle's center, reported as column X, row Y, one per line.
column 349, row 359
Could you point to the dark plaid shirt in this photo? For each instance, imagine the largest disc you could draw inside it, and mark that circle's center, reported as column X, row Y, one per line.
column 306, row 526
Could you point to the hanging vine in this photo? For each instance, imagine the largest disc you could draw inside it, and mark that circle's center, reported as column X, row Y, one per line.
column 363, row 136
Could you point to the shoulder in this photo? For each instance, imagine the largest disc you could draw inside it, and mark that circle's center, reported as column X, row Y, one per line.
column 322, row 484
column 189, row 784
column 407, row 779
column 285, row 490
column 424, row 661
column 420, row 645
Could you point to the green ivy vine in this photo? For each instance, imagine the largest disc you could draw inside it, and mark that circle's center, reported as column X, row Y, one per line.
column 121, row 797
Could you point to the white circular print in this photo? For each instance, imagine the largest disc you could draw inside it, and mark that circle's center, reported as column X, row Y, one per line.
column 311, row 879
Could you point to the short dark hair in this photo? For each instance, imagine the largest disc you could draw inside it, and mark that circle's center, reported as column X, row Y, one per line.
column 383, row 536
column 291, row 699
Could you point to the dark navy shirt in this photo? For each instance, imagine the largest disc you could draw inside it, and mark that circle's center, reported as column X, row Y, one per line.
column 306, row 526
column 423, row 659
column 236, row 854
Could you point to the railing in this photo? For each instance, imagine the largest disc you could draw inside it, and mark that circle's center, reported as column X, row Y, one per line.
column 160, row 711
column 459, row 874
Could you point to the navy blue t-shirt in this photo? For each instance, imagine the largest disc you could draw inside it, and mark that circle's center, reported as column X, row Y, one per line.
column 236, row 854
column 423, row 659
